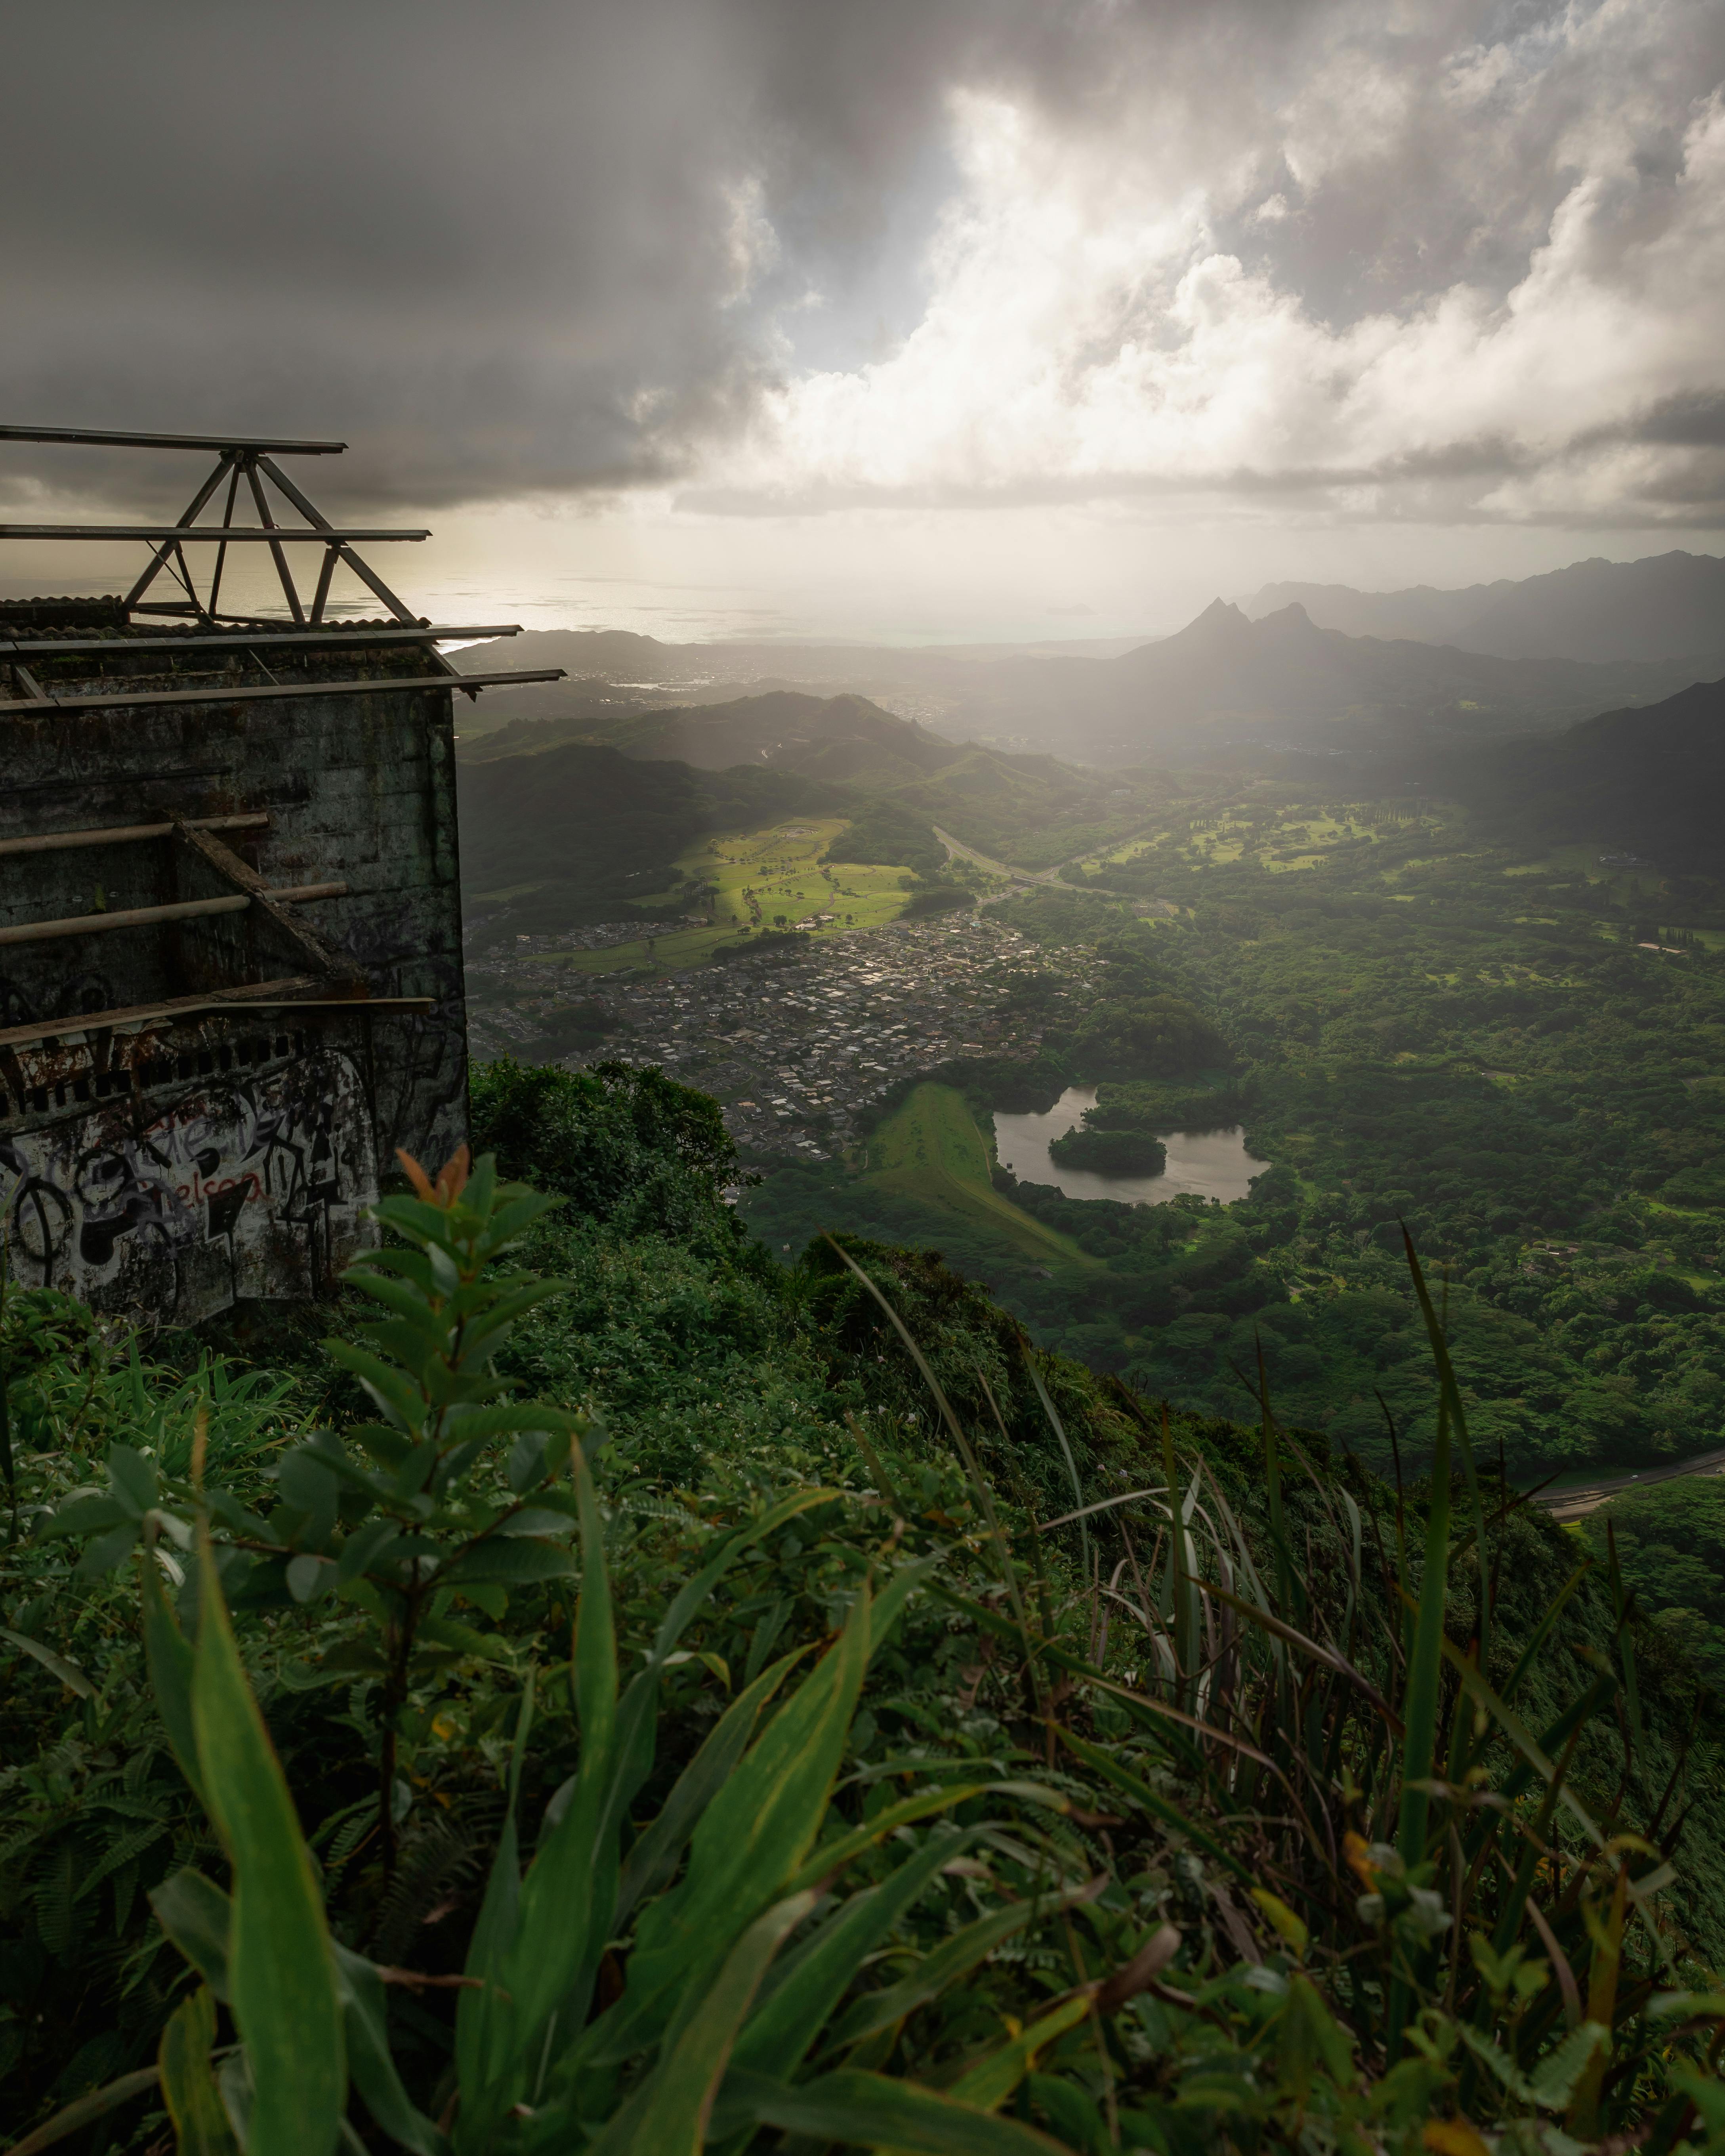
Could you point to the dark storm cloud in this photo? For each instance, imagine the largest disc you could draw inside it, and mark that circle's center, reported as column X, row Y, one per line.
column 1693, row 421
column 543, row 247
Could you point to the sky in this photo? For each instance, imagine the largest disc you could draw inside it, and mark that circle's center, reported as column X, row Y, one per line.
column 910, row 320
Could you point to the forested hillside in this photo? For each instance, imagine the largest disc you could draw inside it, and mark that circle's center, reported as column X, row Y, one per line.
column 1416, row 1022
column 620, row 1693
column 560, row 832
column 582, row 834
column 1651, row 779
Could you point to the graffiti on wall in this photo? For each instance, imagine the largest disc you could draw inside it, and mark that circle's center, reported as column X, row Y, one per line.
column 250, row 1186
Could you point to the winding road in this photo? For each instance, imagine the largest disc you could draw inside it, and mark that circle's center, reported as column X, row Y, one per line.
column 1574, row 1504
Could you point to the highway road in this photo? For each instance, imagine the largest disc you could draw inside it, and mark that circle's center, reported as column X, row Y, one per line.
column 1576, row 1502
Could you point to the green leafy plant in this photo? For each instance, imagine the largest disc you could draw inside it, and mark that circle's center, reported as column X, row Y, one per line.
column 405, row 1517
column 741, row 1904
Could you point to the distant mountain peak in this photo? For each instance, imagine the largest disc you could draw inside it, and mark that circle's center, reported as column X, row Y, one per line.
column 1292, row 616
column 1663, row 607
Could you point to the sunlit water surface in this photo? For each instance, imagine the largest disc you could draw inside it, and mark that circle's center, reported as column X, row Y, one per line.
column 1213, row 1163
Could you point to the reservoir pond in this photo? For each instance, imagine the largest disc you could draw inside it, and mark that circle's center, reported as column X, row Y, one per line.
column 1212, row 1163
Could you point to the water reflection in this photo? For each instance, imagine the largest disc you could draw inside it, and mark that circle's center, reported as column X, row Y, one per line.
column 1212, row 1163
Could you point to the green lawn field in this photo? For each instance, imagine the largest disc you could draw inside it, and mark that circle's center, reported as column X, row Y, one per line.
column 931, row 1151
column 758, row 879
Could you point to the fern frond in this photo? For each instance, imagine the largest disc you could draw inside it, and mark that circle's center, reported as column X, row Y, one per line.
column 125, row 1887
column 55, row 1890
column 440, row 1854
column 125, row 1850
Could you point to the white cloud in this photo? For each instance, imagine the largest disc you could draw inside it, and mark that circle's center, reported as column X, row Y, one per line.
column 1087, row 332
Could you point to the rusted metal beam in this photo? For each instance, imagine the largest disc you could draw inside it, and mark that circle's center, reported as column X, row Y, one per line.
column 164, row 554
column 314, row 515
column 145, row 916
column 276, row 905
column 221, row 534
column 107, row 437
column 121, row 835
column 283, row 988
column 243, row 638
column 77, row 701
column 320, row 598
column 283, row 994
column 264, row 518
column 130, row 916
column 215, row 575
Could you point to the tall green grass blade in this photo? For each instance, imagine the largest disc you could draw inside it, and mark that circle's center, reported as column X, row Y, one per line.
column 198, row 1918
column 1542, row 1630
column 282, row 1970
column 1560, row 1733
column 167, row 1654
column 1338, row 1664
column 1450, row 1393
column 1583, row 2112
column 672, row 2120
column 1626, row 1641
column 68, row 1673
column 485, row 2013
column 810, row 1985
column 1109, row 1769
column 365, row 2019
column 84, row 2111
column 655, row 1854
column 987, row 2084
column 1639, row 1893
column 1272, row 1494
column 832, row 1857
column 1179, row 1597
column 953, row 1959
column 862, row 2110
column 568, row 1895
column 750, row 1840
column 189, row 2082
column 1059, row 1430
column 636, row 1721
column 1422, row 1697
column 1522, row 1738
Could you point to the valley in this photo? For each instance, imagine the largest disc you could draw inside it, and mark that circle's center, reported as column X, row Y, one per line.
column 1421, row 1024
column 1484, row 996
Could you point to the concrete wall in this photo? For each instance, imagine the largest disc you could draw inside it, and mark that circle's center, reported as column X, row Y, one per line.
column 119, row 1144
column 178, row 1168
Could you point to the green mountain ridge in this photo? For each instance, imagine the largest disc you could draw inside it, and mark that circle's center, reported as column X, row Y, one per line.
column 580, row 833
column 1664, row 607
column 1646, row 781
column 597, row 824
column 1223, row 684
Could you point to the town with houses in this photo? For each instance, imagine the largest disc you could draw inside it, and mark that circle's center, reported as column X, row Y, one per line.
column 797, row 1041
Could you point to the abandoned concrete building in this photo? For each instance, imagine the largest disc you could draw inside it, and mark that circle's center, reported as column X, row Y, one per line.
column 230, row 931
